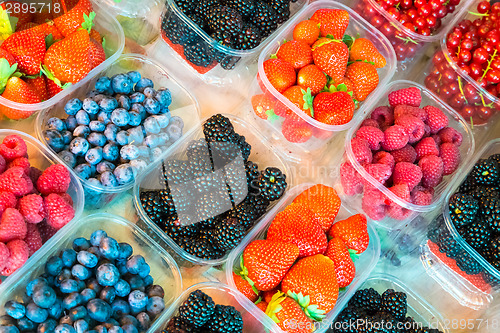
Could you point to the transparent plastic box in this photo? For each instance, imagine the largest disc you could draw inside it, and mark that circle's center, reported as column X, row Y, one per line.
column 322, row 133
column 466, row 151
column 364, row 264
column 253, row 321
column 472, row 290
column 263, row 154
column 183, row 105
column 109, row 28
column 164, row 270
column 238, row 63
column 41, row 157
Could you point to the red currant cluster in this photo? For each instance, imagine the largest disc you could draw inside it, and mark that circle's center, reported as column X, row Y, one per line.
column 475, row 48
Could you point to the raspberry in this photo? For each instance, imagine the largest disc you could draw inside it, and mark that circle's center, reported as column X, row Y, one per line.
column 381, row 173
column 373, row 204
column 394, row 210
column 14, row 180
column 4, row 255
column 12, row 225
column 408, row 96
column 34, row 174
column 437, row 139
column 413, row 126
column 370, row 122
column 20, row 162
column 350, row 179
column 19, row 254
column 46, row 231
column 401, row 190
column 437, row 120
column 7, row 200
column 55, row 179
column 33, row 239
column 422, row 196
column 3, row 164
column 361, row 151
column 398, row 213
column 12, row 147
column 451, row 157
column 383, row 157
column 395, row 137
column 384, row 116
column 432, row 170
column 425, row 147
column 59, row 212
column 405, row 154
column 449, row 134
column 372, row 135
column 427, row 130
column 407, row 173
column 67, row 198
column 402, row 110
column 31, row 208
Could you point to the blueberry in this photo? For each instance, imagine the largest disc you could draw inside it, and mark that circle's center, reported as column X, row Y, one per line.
column 81, row 131
column 94, row 285
column 165, row 110
column 54, row 139
column 139, row 108
column 68, row 158
column 110, row 132
column 98, row 97
column 80, row 285
column 108, row 104
column 90, row 106
column 82, row 118
column 152, row 106
column 135, row 264
column 54, row 266
column 163, row 120
column 144, row 321
column 120, row 117
column 152, row 140
column 15, row 310
column 148, row 280
column 136, row 283
column 67, row 137
column 104, row 166
column 125, row 251
column 24, row 324
column 108, row 294
column 134, row 76
column 121, row 84
column 174, row 132
column 129, row 152
column 144, row 152
column 81, row 244
column 103, row 84
column 68, row 257
column 155, row 305
column 79, row 146
column 129, row 329
column 164, row 96
column 138, row 165
column 122, row 288
column 47, row 326
column 6, row 320
column 109, row 248
column 108, row 179
column 151, row 125
column 97, row 126
column 156, row 290
column 156, row 153
column 44, row 297
column 104, row 117
column 81, row 326
column 97, row 236
column 71, row 123
column 137, row 300
column 80, row 272
column 143, row 83
column 110, row 152
column 94, row 155
column 124, row 174
column 77, row 313
column 134, row 118
column 72, row 300
column 122, row 266
column 115, row 329
column 64, row 275
column 73, row 106
column 124, row 102
column 177, row 121
column 66, row 320
column 35, row 313
column 99, row 310
column 111, row 322
column 137, row 97
column 9, row 329
column 83, row 171
column 56, row 309
column 149, row 92
column 129, row 320
column 122, row 138
column 56, row 124
column 135, row 135
column 64, row 328
column 101, row 329
column 87, row 294
column 107, row 275
column 68, row 286
column 163, row 138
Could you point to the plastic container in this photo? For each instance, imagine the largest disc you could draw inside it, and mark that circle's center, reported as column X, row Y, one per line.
column 164, row 270
column 322, row 133
column 221, row 294
column 236, row 63
column 183, row 105
column 107, row 27
column 472, row 290
column 364, row 264
column 263, row 155
column 466, row 151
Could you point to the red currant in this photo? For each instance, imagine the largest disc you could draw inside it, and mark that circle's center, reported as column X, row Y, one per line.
column 493, row 76
column 480, row 56
column 483, row 7
column 464, row 56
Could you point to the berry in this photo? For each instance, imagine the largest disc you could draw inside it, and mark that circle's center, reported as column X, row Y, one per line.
column 361, row 151
column 14, row 180
column 486, row 172
column 405, row 154
column 413, row 126
column 271, row 184
column 395, row 137
column 426, row 147
column 463, row 209
column 350, row 179
column 407, row 173
column 372, row 135
column 394, row 303
column 297, row 53
column 197, row 309
column 225, row 319
column 432, row 170
column 408, row 96
column 59, row 212
column 450, row 156
column 19, row 253
column 280, row 74
column 12, row 225
column 380, row 172
column 384, row 116
column 436, row 120
column 55, row 179
column 449, row 134
column 306, row 31
column 12, row 147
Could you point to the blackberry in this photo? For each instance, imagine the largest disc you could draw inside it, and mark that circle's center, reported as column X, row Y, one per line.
column 463, row 209
column 225, row 19
column 197, row 309
column 495, row 248
column 177, row 325
column 212, row 203
column 447, row 244
column 198, row 20
column 228, row 233
column 198, row 53
column 265, row 19
column 224, row 39
column 478, row 235
column 245, row 7
column 282, row 9
column 204, row 6
column 245, row 147
column 186, row 6
column 468, row 264
column 410, row 325
column 173, row 27
column 486, row 172
column 178, row 233
column 495, row 157
column 249, row 211
column 153, row 206
column 236, row 181
column 218, row 128
column 468, row 185
column 201, row 247
column 271, row 183
column 248, row 38
column 252, row 171
column 348, row 315
column 394, row 303
column 228, row 63
column 226, row 319
column 175, row 172
column 490, row 212
column 367, row 299
column 481, row 193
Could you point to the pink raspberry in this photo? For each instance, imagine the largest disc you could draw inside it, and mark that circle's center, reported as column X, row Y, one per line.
column 398, row 213
column 19, row 254
column 381, row 173
column 59, row 212
column 46, row 231
column 407, row 173
column 34, row 174
column 7, row 200
column 66, row 198
column 55, row 179
column 383, row 157
column 12, row 225
column 437, row 139
column 413, row 126
column 20, row 162
column 394, row 210
column 425, row 147
column 33, row 239
column 395, row 137
column 3, row 164
column 372, row 135
column 361, row 151
column 373, row 204
column 401, row 190
column 350, row 179
column 408, row 96
column 370, row 122
column 402, row 110
column 451, row 157
column 422, row 196
column 405, row 154
column 432, row 170
column 437, row 120
column 31, row 208
column 4, row 255
column 427, row 131
column 14, row 180
column 12, row 147
column 449, row 134
column 384, row 116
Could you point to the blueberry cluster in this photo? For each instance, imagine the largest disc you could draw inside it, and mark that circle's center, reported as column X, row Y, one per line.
column 97, row 286
column 116, row 130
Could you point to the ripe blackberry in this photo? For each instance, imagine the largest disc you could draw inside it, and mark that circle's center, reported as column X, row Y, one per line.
column 175, row 172
column 495, row 248
column 228, row 233
column 468, row 264
column 485, row 172
column 198, row 53
column 394, row 303
column 204, row 6
column 212, row 203
column 447, row 244
column 198, row 20
column 252, row 171
column 463, row 209
column 226, row 319
column 249, row 211
column 468, row 185
column 271, row 183
column 367, row 299
column 225, row 19
column 245, row 7
column 218, row 128
column 265, row 19
column 153, row 206
column 174, row 28
column 197, row 309
column 348, row 315
column 248, row 38
column 186, row 6
column 178, row 233
column 495, row 157
column 224, row 39
column 236, row 180
column 490, row 212
column 478, row 234
column 245, row 147
column 228, row 63
column 410, row 325
column 177, row 325
column 201, row 247
column 282, row 9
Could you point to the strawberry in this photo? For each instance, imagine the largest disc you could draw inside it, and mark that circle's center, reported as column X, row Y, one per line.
column 266, row 262
column 97, row 54
column 312, row 282
column 28, row 49
column 363, row 50
column 301, row 99
column 280, row 74
column 19, row 91
column 332, row 22
column 39, row 87
column 364, row 77
column 69, row 22
column 353, row 231
column 268, row 294
column 48, row 28
column 296, row 225
column 311, row 77
column 262, row 305
column 6, row 55
column 288, row 315
column 15, row 10
column 306, row 31
column 27, row 26
column 245, row 288
column 42, row 16
column 344, row 266
column 323, row 202
column 295, row 52
column 296, row 130
column 263, row 105
column 349, row 86
column 95, row 35
column 331, row 56
column 335, row 108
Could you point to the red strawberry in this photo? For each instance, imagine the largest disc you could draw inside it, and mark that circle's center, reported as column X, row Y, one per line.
column 301, row 99
column 280, row 74
column 295, row 52
column 332, row 21
column 95, row 35
column 52, row 87
column 263, row 105
column 9, row 57
column 262, row 305
column 333, row 108
column 46, row 29
column 363, row 50
column 296, row 130
column 245, row 288
column 39, row 87
column 306, row 31
column 311, row 77
column 364, row 78
column 353, row 231
column 59, row 212
column 344, row 266
column 12, row 225
column 288, row 315
column 19, row 254
column 97, row 54
column 69, row 22
column 18, row 91
column 408, row 96
column 331, row 57
column 33, row 238
column 28, row 49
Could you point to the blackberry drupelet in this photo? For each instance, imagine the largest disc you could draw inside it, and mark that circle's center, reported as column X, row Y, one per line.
column 447, row 244
column 228, row 233
column 225, row 19
column 252, row 171
column 248, row 38
column 265, row 19
column 174, row 29
column 490, row 212
column 186, row 6
column 197, row 309
column 204, row 6
column 175, row 172
column 228, row 63
column 245, row 7
column 282, row 9
column 463, row 209
column 271, row 183
column 226, row 319
column 478, row 234
column 198, row 53
column 153, row 205
column 468, row 264
column 367, row 299
column 180, row 232
column 177, row 325
column 485, row 172
column 394, row 303
column 495, row 157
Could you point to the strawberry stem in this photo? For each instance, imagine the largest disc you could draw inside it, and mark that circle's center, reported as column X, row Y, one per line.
column 88, row 21
column 6, row 71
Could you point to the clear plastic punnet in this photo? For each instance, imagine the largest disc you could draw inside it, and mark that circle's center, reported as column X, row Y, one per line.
column 354, row 182
column 364, row 264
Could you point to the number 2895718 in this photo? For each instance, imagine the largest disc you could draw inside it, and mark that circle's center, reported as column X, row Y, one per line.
column 31, row 7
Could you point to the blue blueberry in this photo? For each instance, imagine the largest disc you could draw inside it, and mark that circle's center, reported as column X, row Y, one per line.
column 163, row 120
column 134, row 76
column 152, row 106
column 135, row 135
column 111, row 322
column 101, row 329
column 115, row 329
column 129, row 329
column 54, row 139
column 67, row 137
column 81, row 326
column 90, row 106
column 125, row 251
column 129, row 152
column 108, row 104
column 82, row 118
column 148, row 280
column 108, row 294
column 149, row 92
column 44, row 297
column 163, row 138
column 155, row 305
column 124, row 174
column 109, row 248
column 56, row 309
column 165, row 110
column 87, row 259
column 72, row 300
column 83, row 171
column 121, row 84
column 111, row 152
column 47, row 326
column 124, row 102
column 136, row 283
column 68, row 158
column 135, row 264
column 9, row 329
column 104, row 166
column 6, row 320
column 54, row 266
column 129, row 320
column 97, row 126
column 81, row 131
column 139, row 108
column 156, row 153
column 110, row 132
column 120, row 308
column 36, row 314
column 108, row 179
column 144, row 321
column 34, row 284
column 68, row 286
column 64, row 328
column 122, row 288
column 73, row 106
column 151, row 125
column 107, row 275
column 56, row 124
column 120, row 117
column 98, row 97
column 156, row 290
column 80, row 285
column 64, row 275
column 103, row 84
column 99, row 310
column 164, row 96
column 81, row 244
column 122, row 266
column 77, row 313
column 71, row 123
column 15, row 310
column 79, row 146
column 174, row 132
column 137, row 97
column 104, row 117
column 24, row 324
column 122, row 138
column 134, row 118
column 80, row 272
column 87, row 294
column 68, row 257
column 138, row 165
column 94, row 155
column 152, row 140
column 144, row 152
column 97, row 236
column 143, row 83
column 177, row 121
column 94, row 285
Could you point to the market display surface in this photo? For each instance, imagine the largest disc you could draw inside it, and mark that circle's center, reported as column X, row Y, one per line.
column 225, row 166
